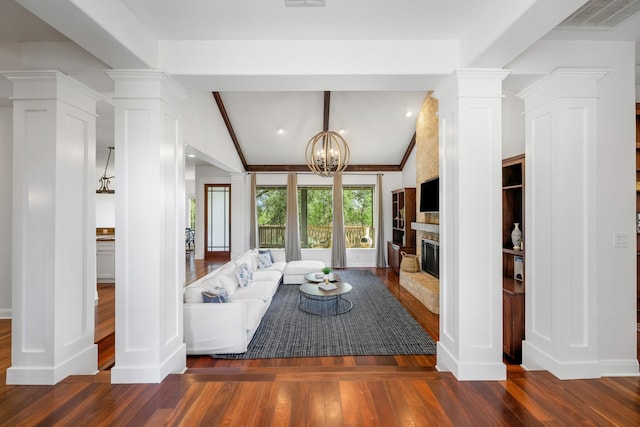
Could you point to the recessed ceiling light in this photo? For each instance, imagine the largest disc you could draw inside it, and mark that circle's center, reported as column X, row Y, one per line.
column 191, row 155
column 409, row 113
column 280, row 131
column 341, row 131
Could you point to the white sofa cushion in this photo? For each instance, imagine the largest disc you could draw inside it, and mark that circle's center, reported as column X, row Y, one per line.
column 255, row 309
column 193, row 295
column 267, row 275
column 226, row 279
column 261, row 290
column 295, row 271
column 276, row 266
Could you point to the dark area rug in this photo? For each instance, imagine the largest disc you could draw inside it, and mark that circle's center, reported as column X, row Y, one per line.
column 376, row 325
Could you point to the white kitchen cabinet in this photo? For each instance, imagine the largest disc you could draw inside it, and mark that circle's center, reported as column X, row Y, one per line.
column 106, row 261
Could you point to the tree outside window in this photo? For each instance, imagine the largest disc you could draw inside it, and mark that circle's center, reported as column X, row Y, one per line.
column 271, row 207
column 315, row 216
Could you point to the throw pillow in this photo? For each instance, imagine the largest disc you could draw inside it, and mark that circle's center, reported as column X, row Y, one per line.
column 216, row 295
column 226, row 279
column 193, row 295
column 264, row 261
column 244, row 275
column 267, row 251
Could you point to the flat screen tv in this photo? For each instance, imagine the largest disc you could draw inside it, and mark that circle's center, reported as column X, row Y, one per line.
column 430, row 195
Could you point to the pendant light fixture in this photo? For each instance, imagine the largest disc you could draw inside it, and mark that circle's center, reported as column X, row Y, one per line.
column 106, row 180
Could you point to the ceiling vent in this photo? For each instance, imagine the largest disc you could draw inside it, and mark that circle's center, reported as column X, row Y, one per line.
column 296, row 3
column 604, row 14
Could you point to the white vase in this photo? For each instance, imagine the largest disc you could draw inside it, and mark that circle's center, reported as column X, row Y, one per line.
column 516, row 235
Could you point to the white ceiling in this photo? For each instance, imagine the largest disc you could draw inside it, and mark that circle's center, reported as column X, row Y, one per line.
column 371, row 108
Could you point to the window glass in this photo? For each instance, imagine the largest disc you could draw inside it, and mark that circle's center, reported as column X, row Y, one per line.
column 271, row 207
column 358, row 216
column 315, row 216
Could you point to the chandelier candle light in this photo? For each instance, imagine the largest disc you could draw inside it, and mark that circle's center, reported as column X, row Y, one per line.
column 327, row 153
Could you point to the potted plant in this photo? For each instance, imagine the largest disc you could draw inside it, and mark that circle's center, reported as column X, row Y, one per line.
column 326, row 271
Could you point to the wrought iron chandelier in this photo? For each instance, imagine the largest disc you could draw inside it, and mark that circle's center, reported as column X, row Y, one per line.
column 106, row 180
column 327, row 153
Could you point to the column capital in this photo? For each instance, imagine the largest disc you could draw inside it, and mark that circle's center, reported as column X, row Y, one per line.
column 146, row 84
column 563, row 83
column 52, row 84
column 473, row 83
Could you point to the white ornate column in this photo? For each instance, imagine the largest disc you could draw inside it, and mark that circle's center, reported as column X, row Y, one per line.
column 149, row 226
column 54, row 246
column 470, row 115
column 561, row 210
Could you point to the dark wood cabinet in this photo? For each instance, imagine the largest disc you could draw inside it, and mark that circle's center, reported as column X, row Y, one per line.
column 403, row 213
column 513, row 257
column 638, row 208
column 513, row 319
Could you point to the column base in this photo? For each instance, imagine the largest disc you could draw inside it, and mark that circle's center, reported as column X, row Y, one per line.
column 174, row 364
column 469, row 371
column 534, row 358
column 84, row 363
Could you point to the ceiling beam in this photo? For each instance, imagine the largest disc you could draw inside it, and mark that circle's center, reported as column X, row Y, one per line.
column 232, row 133
column 305, row 168
column 407, row 153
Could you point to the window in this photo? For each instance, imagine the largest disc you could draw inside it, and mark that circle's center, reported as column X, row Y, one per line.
column 315, row 216
column 271, row 207
column 358, row 216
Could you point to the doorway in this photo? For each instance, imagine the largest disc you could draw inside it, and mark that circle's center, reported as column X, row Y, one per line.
column 217, row 241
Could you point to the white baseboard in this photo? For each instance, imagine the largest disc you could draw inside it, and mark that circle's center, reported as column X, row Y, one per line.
column 534, row 358
column 5, row 313
column 619, row 368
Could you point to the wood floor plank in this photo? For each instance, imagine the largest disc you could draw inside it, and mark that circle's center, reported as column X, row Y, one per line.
column 358, row 407
column 429, row 410
column 242, row 409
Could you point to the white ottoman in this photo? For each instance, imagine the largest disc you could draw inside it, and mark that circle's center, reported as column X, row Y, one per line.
column 295, row 271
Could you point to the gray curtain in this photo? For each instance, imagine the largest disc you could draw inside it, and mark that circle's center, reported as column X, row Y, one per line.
column 338, row 246
column 292, row 238
column 253, row 223
column 381, row 259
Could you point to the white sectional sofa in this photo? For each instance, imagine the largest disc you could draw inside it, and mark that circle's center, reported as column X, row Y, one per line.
column 223, row 328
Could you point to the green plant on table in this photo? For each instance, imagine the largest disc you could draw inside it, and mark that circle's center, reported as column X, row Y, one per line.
column 326, row 270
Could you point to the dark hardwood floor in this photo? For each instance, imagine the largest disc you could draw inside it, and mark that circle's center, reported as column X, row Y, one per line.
column 334, row 391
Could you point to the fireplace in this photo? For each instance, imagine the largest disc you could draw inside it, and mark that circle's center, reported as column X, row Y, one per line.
column 430, row 257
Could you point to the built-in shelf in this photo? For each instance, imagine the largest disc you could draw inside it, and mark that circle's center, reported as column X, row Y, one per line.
column 421, row 226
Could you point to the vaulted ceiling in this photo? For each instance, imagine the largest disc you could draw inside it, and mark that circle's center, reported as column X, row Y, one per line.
column 270, row 64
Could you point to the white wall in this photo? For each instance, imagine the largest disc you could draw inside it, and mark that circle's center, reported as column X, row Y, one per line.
column 6, row 181
column 409, row 172
column 205, row 131
column 512, row 125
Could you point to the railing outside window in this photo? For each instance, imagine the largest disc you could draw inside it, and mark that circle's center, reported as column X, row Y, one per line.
column 318, row 237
